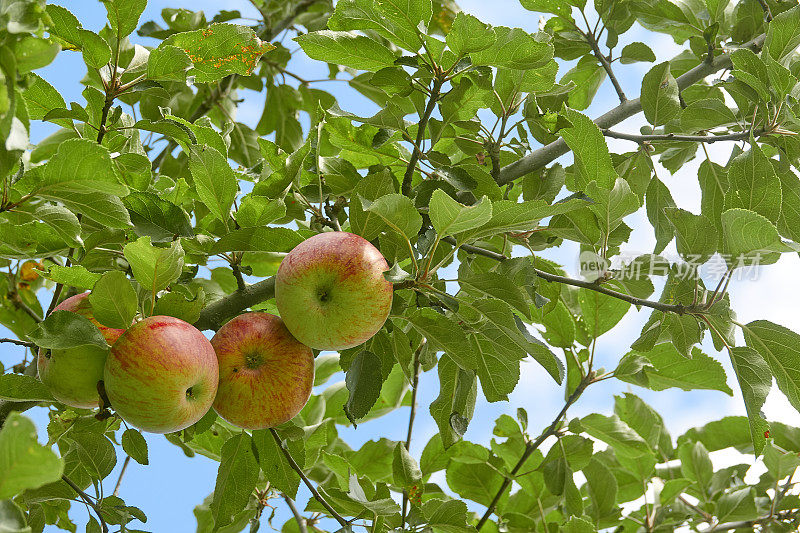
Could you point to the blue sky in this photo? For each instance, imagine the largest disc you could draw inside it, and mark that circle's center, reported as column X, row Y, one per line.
column 170, row 487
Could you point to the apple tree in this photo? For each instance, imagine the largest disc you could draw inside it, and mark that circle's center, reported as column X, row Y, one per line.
column 155, row 197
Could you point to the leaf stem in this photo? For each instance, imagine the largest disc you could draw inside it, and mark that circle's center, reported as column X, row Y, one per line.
column 314, row 491
column 88, row 500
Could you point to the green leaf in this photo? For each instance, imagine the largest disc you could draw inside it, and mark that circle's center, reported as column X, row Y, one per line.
column 602, row 487
column 105, row 209
column 60, row 219
column 754, row 185
column 19, row 387
column 780, row 348
column 508, row 216
column 406, row 470
column 737, row 505
column 600, row 312
column 706, row 114
column 96, row 52
column 363, row 381
column 73, row 276
column 780, row 463
column 635, row 52
column 450, row 217
column 154, row 268
column 592, row 160
column 783, row 35
column 168, row 63
column 156, row 217
column 134, row 445
column 273, row 463
column 41, row 97
column 397, row 211
column 584, row 79
column 657, row 200
column 258, row 239
column 81, row 162
column 396, row 20
column 12, row 518
column 660, row 101
column 452, row 409
column 695, row 463
column 113, row 299
column 65, row 329
column 495, row 285
column 220, row 50
column 345, row 48
column 468, row 34
column 696, row 235
column 664, row 367
column 562, row 8
column 755, row 381
column 214, row 180
column 177, row 305
column 236, row 479
column 478, row 482
column 515, row 48
column 748, row 236
column 123, row 15
column 260, row 211
column 750, row 69
column 611, row 206
column 615, row 433
column 24, row 462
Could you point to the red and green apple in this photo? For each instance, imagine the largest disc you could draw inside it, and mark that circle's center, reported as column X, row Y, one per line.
column 161, row 375
column 265, row 374
column 330, row 291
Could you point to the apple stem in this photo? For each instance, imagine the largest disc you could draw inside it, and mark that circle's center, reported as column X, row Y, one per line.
column 342, row 522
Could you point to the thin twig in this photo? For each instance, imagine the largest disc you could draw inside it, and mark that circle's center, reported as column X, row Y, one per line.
column 740, row 136
column 25, row 307
column 121, row 473
column 533, row 446
column 301, row 522
column 679, row 309
column 417, row 148
column 88, row 500
column 314, row 491
column 18, row 342
column 590, row 38
column 411, row 416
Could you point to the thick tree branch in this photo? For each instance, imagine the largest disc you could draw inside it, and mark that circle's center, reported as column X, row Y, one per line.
column 740, row 136
column 88, row 500
column 534, row 445
column 216, row 313
column 591, row 285
column 314, row 491
column 547, row 154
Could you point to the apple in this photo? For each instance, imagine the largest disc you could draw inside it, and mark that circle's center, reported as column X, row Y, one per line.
column 330, row 291
column 71, row 375
column 265, row 374
column 161, row 375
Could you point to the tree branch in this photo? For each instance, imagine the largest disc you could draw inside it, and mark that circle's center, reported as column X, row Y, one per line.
column 740, row 136
column 27, row 344
column 411, row 416
column 423, row 122
column 301, row 522
column 88, row 500
column 121, row 473
column 591, row 285
column 534, row 445
column 547, row 154
column 296, row 468
column 606, row 65
column 216, row 313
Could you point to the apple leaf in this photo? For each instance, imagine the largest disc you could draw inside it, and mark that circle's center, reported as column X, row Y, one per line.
column 214, row 179
column 177, row 305
column 236, row 479
column 364, row 381
column 450, row 217
column 113, row 300
column 397, row 211
column 74, row 276
column 19, row 387
column 154, row 268
column 755, row 380
column 258, row 239
column 135, row 446
column 24, row 462
column 273, row 463
column 64, row 329
column 405, row 468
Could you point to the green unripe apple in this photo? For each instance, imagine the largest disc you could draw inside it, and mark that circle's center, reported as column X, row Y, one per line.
column 71, row 375
column 161, row 375
column 330, row 291
column 265, row 374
